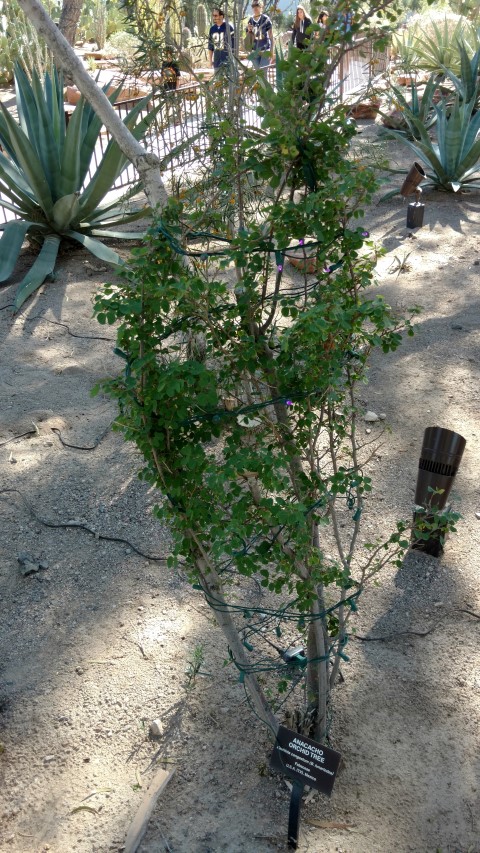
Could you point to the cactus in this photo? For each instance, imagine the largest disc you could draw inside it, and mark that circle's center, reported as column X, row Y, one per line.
column 6, row 62
column 20, row 41
column 168, row 32
column 185, row 60
column 202, row 20
column 189, row 9
column 186, row 37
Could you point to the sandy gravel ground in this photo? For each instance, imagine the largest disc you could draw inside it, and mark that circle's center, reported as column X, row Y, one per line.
column 96, row 643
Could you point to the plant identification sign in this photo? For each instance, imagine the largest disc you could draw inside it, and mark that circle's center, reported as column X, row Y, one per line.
column 305, row 760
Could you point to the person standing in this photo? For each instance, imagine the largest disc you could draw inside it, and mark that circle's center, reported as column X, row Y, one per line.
column 170, row 78
column 218, row 40
column 170, row 71
column 300, row 25
column 259, row 38
column 323, row 19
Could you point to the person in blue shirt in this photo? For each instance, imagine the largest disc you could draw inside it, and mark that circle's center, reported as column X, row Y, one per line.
column 259, row 38
column 218, row 39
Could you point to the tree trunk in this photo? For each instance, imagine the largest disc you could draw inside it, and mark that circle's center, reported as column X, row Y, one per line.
column 146, row 164
column 69, row 19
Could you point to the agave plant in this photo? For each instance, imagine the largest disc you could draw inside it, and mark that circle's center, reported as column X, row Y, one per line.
column 468, row 84
column 415, row 108
column 43, row 178
column 454, row 159
column 437, row 47
column 404, row 49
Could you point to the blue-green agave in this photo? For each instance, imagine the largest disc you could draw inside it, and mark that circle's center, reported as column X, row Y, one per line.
column 468, row 84
column 453, row 160
column 415, row 108
column 43, row 179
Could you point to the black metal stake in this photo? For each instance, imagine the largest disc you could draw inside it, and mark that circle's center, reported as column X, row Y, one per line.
column 415, row 212
column 410, row 185
column 294, row 814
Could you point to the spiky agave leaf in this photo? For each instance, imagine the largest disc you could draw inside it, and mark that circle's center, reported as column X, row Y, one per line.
column 455, row 158
column 100, row 250
column 113, row 162
column 42, row 171
column 14, row 234
column 43, row 266
column 16, row 189
column 417, row 108
column 441, row 48
column 28, row 163
column 467, row 84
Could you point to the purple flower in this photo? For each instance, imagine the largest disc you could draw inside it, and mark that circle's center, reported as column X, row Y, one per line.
column 289, row 402
column 327, row 269
column 301, row 242
column 365, row 233
column 279, row 267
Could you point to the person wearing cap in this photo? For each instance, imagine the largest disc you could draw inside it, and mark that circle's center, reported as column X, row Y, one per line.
column 218, row 39
column 259, row 38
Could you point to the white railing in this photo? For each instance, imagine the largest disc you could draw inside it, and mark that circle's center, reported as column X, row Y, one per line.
column 183, row 114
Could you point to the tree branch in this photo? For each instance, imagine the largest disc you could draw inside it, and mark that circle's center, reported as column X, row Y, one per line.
column 146, row 163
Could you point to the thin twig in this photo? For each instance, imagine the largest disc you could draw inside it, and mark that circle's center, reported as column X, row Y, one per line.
column 80, row 526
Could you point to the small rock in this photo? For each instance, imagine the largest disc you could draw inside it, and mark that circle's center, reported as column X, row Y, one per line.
column 477, row 515
column 368, row 431
column 382, row 416
column 370, row 417
column 48, row 759
column 456, row 326
column 156, row 728
column 29, row 566
column 476, row 263
column 24, row 557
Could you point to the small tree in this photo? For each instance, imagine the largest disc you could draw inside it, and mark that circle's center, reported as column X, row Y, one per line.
column 239, row 381
column 69, row 18
column 239, row 384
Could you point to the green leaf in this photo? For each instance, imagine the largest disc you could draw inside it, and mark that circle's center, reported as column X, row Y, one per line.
column 44, row 265
column 44, row 140
column 113, row 162
column 73, row 175
column 104, row 253
column 26, row 157
column 118, row 235
column 14, row 234
column 65, row 211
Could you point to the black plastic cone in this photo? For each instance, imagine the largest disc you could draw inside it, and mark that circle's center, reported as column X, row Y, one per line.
column 440, row 457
